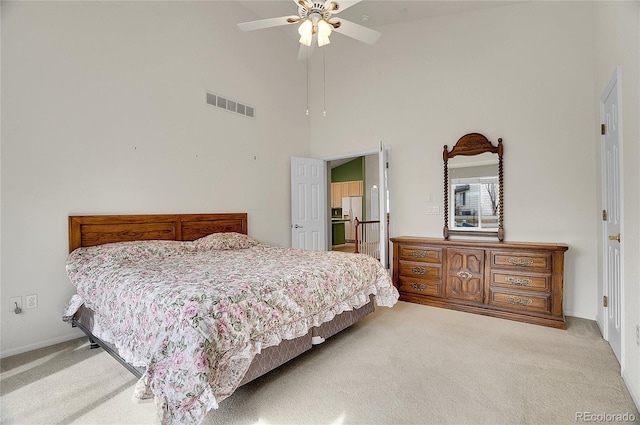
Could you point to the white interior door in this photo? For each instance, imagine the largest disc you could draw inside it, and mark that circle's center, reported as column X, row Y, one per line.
column 612, row 217
column 309, row 204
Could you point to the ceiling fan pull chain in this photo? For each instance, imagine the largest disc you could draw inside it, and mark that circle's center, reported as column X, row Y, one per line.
column 307, row 86
column 324, row 83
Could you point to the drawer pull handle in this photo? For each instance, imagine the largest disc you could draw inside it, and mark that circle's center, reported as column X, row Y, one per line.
column 419, row 270
column 419, row 253
column 419, row 286
column 518, row 281
column 522, row 262
column 464, row 275
column 519, row 300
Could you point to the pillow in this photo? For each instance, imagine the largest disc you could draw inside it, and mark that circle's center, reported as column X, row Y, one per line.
column 137, row 249
column 229, row 240
column 123, row 251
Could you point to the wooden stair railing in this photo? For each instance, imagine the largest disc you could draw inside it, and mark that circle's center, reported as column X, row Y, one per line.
column 367, row 237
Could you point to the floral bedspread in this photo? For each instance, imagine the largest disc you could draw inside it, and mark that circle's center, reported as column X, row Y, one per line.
column 194, row 314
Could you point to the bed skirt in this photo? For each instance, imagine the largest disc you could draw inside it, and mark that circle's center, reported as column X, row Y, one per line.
column 267, row 360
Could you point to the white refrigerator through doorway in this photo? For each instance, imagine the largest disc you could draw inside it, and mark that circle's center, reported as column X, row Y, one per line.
column 351, row 209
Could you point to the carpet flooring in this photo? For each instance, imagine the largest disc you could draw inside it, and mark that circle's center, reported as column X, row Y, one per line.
column 410, row 364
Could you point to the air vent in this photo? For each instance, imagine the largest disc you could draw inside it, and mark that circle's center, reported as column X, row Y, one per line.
column 231, row 105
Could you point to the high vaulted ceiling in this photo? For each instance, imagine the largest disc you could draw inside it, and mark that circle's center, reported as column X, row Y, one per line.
column 379, row 12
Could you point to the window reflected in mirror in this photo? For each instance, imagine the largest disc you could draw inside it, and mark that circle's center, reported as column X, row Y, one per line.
column 475, row 203
column 475, row 193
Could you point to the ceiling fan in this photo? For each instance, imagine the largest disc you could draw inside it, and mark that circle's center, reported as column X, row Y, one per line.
column 316, row 23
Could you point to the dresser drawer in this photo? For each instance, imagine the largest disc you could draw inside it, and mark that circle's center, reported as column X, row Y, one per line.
column 420, row 270
column 420, row 286
column 420, row 253
column 529, row 282
column 526, row 301
column 540, row 261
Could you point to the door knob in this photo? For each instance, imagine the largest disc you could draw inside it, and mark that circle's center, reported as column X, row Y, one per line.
column 297, row 227
column 614, row 237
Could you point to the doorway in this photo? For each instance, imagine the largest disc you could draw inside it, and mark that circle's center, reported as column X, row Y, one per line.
column 347, row 191
column 357, row 188
column 312, row 177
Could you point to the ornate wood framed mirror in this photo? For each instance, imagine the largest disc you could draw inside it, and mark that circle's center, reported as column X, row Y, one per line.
column 473, row 188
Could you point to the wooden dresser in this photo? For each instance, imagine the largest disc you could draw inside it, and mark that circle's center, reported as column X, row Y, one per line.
column 517, row 281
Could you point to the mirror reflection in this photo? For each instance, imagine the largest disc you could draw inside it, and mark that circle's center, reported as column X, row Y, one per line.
column 474, row 192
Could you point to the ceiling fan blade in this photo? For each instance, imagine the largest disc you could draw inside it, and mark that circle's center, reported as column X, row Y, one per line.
column 345, row 4
column 359, row 32
column 267, row 23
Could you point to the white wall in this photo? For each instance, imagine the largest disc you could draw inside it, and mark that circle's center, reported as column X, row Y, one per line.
column 522, row 72
column 103, row 111
column 617, row 43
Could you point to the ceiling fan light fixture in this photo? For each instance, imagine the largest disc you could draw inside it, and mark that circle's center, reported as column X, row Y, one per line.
column 306, row 32
column 323, row 41
column 324, row 31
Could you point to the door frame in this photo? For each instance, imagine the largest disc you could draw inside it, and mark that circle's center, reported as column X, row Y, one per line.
column 382, row 198
column 614, row 83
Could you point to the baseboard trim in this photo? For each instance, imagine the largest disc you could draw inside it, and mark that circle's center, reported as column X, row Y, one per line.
column 580, row 315
column 75, row 333
column 634, row 394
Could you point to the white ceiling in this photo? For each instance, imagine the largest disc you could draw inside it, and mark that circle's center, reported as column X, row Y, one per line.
column 380, row 12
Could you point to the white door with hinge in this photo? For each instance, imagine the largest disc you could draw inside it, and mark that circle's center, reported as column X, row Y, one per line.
column 309, row 208
column 383, row 169
column 611, row 157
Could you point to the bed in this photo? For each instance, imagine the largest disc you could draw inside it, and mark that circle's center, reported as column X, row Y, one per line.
column 194, row 307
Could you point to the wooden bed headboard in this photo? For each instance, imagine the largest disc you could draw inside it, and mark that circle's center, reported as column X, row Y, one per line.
column 90, row 230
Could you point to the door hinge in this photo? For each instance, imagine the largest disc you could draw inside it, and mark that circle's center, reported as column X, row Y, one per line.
column 605, row 301
column 603, row 129
column 604, row 215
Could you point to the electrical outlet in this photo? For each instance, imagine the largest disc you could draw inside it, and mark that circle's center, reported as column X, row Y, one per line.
column 31, row 301
column 15, row 304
